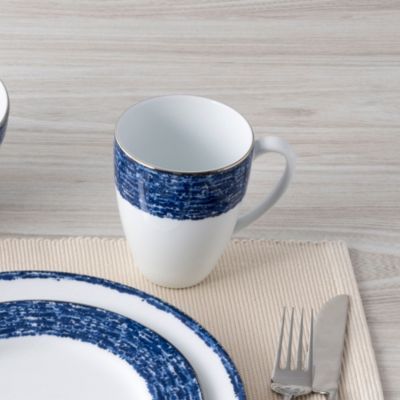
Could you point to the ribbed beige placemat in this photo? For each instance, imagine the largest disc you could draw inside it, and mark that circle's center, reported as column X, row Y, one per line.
column 240, row 303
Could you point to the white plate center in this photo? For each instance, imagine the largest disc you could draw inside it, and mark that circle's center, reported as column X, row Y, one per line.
column 53, row 368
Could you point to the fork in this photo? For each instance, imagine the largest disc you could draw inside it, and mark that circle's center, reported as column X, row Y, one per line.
column 288, row 382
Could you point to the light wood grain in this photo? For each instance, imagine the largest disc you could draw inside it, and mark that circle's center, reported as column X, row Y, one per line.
column 323, row 74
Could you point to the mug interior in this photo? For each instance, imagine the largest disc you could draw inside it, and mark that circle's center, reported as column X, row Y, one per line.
column 186, row 134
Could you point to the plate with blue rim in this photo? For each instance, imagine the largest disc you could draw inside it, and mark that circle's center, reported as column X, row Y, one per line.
column 62, row 350
column 215, row 371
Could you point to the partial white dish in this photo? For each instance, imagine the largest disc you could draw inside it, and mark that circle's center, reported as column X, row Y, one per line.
column 213, row 367
column 4, row 110
column 59, row 350
column 3, row 102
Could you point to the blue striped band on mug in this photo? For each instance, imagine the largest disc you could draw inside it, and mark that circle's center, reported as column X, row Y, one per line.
column 178, row 195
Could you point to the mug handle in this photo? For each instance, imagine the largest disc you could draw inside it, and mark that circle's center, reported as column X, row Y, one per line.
column 270, row 144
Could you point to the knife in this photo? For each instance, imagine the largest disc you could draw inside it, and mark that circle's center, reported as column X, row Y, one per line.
column 329, row 332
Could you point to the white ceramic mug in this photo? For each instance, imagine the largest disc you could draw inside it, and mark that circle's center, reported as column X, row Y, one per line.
column 181, row 170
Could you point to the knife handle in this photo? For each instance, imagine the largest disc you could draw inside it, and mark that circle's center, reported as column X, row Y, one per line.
column 332, row 395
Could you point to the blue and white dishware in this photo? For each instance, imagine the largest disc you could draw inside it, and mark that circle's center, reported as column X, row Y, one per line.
column 182, row 165
column 60, row 350
column 4, row 109
column 215, row 371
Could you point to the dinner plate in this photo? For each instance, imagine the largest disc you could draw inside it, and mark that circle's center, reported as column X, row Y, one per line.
column 215, row 371
column 59, row 350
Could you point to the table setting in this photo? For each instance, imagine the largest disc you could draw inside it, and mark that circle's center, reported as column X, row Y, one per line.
column 178, row 309
column 232, row 303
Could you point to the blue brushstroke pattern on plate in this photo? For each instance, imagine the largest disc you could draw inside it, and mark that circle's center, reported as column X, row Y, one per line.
column 168, row 375
column 154, row 301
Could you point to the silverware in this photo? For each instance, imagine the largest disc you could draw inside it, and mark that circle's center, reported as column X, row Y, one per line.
column 4, row 110
column 295, row 382
column 329, row 335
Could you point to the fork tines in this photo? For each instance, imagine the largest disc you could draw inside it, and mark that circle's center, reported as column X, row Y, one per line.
column 299, row 361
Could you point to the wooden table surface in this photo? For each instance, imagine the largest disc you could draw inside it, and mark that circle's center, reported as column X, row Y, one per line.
column 325, row 75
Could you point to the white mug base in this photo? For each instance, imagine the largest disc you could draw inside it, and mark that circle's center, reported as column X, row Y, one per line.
column 175, row 253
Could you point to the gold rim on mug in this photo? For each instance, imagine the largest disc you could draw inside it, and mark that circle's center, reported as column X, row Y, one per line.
column 171, row 171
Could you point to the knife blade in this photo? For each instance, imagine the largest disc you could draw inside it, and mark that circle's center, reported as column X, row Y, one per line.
column 329, row 333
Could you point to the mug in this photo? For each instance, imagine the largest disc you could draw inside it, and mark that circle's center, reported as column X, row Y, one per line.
column 182, row 164
column 4, row 109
